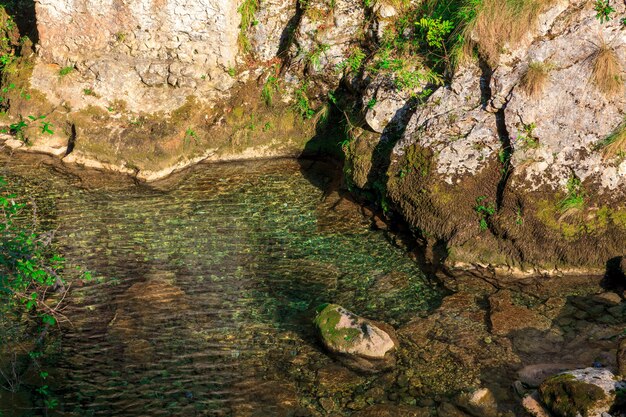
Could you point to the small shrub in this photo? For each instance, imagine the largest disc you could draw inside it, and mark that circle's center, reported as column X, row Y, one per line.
column 535, row 78
column 603, row 10
column 606, row 73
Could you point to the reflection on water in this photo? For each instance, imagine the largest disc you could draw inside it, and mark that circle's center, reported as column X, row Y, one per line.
column 206, row 288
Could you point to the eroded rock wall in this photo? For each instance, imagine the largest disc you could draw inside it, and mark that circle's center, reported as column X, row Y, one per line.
column 150, row 53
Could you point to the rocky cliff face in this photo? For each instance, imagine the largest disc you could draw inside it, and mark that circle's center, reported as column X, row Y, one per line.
column 516, row 157
column 137, row 51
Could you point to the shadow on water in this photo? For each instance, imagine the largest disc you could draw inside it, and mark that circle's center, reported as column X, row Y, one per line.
column 23, row 12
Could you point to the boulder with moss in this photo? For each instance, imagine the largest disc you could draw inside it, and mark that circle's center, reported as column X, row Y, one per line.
column 359, row 343
column 586, row 392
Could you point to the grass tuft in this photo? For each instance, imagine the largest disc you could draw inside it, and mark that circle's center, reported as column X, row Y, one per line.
column 534, row 80
column 607, row 71
column 498, row 23
column 614, row 145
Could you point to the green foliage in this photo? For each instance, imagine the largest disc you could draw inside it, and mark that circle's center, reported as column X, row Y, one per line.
column 190, row 135
column 575, row 198
column 89, row 92
column 32, row 288
column 247, row 10
column 485, row 210
column 269, row 89
column 371, row 103
column 302, row 104
column 314, row 57
column 354, row 61
column 66, row 71
column 231, row 71
column 435, row 31
column 527, row 138
column 603, row 10
column 18, row 129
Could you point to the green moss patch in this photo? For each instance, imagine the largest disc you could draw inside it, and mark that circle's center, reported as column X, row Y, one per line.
column 327, row 320
column 567, row 397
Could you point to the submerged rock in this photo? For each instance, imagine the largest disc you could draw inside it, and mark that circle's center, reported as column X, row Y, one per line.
column 587, row 392
column 480, row 403
column 359, row 343
column 391, row 410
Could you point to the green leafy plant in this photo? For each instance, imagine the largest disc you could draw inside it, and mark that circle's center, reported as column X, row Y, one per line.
column 371, row 103
column 435, row 30
column 485, row 210
column 302, row 104
column 33, row 285
column 527, row 137
column 354, row 61
column 603, row 10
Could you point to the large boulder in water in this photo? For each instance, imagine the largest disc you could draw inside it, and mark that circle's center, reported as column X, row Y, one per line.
column 587, row 392
column 360, row 343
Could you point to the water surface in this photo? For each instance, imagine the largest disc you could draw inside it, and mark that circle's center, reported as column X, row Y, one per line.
column 205, row 287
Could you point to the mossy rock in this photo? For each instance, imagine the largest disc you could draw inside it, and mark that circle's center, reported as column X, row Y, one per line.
column 568, row 395
column 360, row 343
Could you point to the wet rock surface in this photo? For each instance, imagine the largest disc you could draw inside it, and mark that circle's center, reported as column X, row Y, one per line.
column 589, row 392
column 360, row 343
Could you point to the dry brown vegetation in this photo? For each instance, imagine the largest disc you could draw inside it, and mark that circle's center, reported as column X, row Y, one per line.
column 501, row 22
column 615, row 144
column 607, row 71
column 534, row 80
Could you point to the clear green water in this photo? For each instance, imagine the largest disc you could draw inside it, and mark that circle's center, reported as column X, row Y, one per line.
column 206, row 287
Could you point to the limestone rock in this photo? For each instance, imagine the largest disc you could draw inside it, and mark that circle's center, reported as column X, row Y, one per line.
column 589, row 392
column 131, row 50
column 272, row 27
column 360, row 343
